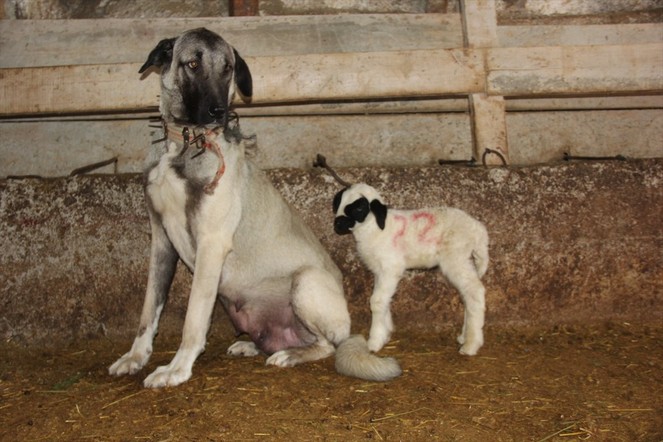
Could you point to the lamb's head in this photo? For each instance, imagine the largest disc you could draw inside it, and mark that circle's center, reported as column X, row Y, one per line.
column 354, row 204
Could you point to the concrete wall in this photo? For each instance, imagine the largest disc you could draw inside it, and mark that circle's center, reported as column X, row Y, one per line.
column 570, row 242
column 55, row 148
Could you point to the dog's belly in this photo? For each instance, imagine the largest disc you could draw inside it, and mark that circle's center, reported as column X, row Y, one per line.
column 271, row 324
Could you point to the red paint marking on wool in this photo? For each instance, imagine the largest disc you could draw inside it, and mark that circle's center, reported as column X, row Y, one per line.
column 429, row 219
column 401, row 231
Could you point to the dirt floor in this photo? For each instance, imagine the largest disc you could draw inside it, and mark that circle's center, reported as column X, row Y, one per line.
column 566, row 383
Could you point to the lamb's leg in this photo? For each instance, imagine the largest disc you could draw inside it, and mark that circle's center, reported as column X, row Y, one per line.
column 463, row 276
column 381, row 322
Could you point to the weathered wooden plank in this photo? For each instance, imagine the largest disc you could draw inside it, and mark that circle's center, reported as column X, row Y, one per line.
column 575, row 70
column 75, row 89
column 367, row 75
column 518, row 72
column 479, row 19
column 489, row 129
column 579, row 35
column 33, row 43
column 299, row 78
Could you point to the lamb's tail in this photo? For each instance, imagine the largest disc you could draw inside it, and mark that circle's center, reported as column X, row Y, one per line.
column 353, row 358
column 480, row 254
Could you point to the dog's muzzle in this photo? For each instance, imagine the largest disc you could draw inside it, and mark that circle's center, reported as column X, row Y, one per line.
column 220, row 114
column 343, row 225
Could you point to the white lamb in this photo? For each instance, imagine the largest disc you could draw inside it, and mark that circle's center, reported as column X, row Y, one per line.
column 389, row 241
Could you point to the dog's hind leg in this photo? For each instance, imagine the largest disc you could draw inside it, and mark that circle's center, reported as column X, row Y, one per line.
column 381, row 322
column 463, row 275
column 210, row 256
column 163, row 260
column 319, row 303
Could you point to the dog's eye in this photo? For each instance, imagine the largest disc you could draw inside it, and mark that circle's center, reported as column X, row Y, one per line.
column 193, row 65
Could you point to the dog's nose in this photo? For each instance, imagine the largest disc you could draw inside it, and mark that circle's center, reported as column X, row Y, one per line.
column 216, row 111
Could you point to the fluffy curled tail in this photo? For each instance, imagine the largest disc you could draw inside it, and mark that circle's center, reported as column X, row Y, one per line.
column 353, row 358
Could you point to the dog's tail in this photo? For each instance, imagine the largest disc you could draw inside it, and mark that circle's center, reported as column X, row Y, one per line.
column 353, row 358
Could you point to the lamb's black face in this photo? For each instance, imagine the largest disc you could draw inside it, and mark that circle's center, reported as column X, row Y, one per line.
column 199, row 74
column 356, row 211
column 353, row 213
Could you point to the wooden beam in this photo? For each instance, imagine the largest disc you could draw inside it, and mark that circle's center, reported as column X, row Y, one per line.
column 479, row 19
column 579, row 35
column 302, row 78
column 75, row 90
column 513, row 72
column 83, row 41
column 36, row 43
column 488, row 114
column 575, row 70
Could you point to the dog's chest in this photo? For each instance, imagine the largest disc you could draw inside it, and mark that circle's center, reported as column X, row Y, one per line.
column 170, row 199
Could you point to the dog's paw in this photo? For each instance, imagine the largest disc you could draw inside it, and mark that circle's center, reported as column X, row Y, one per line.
column 378, row 337
column 470, row 348
column 243, row 348
column 130, row 363
column 165, row 376
column 282, row 358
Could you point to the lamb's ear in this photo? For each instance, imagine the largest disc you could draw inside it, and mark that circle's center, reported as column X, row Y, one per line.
column 243, row 78
column 380, row 212
column 337, row 200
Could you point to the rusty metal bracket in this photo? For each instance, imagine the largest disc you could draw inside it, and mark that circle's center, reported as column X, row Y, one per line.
column 472, row 162
column 569, row 157
column 94, row 166
column 321, row 161
column 492, row 151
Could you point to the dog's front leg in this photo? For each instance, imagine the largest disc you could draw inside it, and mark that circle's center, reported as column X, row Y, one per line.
column 163, row 261
column 381, row 322
column 210, row 256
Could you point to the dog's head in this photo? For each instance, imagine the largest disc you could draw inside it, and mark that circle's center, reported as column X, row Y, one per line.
column 200, row 73
column 353, row 204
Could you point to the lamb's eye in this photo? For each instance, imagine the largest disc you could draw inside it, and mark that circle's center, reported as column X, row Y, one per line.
column 193, row 65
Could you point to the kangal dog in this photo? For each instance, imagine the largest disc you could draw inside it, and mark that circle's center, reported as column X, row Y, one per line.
column 213, row 209
column 389, row 241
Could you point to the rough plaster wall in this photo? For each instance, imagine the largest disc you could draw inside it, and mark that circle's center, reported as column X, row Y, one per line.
column 572, row 242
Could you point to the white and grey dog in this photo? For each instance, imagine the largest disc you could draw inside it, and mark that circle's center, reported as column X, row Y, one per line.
column 390, row 241
column 214, row 210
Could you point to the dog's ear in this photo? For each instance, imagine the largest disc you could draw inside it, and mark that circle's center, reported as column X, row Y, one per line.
column 337, row 200
column 380, row 212
column 243, row 76
column 160, row 55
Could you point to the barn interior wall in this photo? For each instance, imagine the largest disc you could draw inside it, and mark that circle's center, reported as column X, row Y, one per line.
column 570, row 241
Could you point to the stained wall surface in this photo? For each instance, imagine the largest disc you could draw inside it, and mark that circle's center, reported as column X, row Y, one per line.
column 572, row 242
